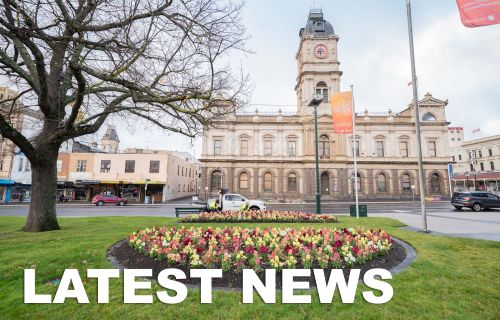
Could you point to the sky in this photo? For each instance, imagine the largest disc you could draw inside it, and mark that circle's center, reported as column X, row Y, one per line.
column 453, row 62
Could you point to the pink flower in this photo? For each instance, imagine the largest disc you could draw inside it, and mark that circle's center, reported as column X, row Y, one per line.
column 336, row 256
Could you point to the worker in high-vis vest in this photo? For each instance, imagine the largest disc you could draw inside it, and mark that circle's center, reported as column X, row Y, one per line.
column 212, row 206
column 244, row 207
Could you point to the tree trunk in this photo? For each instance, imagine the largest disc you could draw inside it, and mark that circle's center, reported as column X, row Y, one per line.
column 42, row 212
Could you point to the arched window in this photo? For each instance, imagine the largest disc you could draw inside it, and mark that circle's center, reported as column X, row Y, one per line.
column 435, row 183
column 358, row 182
column 319, row 26
column 292, row 182
column 216, row 180
column 322, row 89
column 243, row 181
column 381, row 183
column 268, row 182
column 405, row 182
column 325, row 183
column 324, row 146
column 429, row 117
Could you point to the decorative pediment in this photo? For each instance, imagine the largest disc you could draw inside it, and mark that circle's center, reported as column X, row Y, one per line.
column 427, row 101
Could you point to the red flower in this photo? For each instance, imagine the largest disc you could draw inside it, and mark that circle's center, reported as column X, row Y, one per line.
column 338, row 244
column 199, row 250
column 264, row 249
column 355, row 249
column 186, row 241
column 249, row 250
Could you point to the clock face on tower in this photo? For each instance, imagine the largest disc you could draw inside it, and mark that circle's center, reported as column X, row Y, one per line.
column 320, row 51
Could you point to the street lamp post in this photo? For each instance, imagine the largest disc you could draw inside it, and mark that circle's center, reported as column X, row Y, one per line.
column 206, row 190
column 315, row 102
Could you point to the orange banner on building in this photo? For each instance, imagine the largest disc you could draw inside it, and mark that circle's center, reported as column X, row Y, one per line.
column 478, row 13
column 342, row 112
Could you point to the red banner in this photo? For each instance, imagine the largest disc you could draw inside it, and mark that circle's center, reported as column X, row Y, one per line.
column 342, row 112
column 478, row 13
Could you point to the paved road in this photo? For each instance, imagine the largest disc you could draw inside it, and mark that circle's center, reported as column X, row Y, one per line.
column 442, row 218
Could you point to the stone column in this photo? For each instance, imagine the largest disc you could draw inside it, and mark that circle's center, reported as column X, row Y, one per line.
column 280, row 192
column 369, row 183
column 304, row 179
column 256, row 190
column 230, row 179
column 343, row 183
column 395, row 182
column 204, row 182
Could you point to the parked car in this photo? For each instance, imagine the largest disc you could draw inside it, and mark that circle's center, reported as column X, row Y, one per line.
column 234, row 202
column 476, row 200
column 102, row 199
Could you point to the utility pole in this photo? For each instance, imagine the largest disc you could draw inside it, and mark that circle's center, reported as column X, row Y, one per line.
column 421, row 179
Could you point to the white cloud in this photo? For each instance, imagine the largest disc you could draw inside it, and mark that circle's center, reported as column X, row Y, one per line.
column 453, row 62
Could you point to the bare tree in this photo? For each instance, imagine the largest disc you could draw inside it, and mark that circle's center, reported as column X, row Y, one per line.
column 78, row 62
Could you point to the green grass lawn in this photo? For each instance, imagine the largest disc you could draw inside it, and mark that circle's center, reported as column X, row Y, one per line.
column 451, row 279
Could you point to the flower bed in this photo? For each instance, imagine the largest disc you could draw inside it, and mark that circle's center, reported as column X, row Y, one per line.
column 259, row 216
column 234, row 249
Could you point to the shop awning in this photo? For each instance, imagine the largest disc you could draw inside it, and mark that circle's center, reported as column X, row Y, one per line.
column 6, row 182
column 65, row 184
column 131, row 182
column 479, row 176
column 86, row 182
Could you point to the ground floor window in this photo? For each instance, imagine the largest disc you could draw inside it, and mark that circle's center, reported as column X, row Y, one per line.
column 268, row 182
column 381, row 183
column 325, row 183
column 216, row 180
column 435, row 183
column 405, row 182
column 243, row 181
column 358, row 182
column 292, row 182
column 131, row 192
column 21, row 194
column 81, row 194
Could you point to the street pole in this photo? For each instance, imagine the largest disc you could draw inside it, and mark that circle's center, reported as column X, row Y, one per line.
column 318, row 192
column 354, row 153
column 221, row 177
column 450, row 165
column 421, row 179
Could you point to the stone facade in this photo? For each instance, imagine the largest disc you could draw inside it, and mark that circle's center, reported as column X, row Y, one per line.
column 476, row 164
column 14, row 116
column 272, row 156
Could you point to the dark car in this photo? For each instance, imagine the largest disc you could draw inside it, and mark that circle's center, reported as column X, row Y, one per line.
column 475, row 200
column 102, row 199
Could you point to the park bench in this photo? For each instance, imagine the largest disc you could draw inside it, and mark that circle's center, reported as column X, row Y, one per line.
column 193, row 210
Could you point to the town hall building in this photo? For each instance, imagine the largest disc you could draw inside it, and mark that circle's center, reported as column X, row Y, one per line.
column 272, row 156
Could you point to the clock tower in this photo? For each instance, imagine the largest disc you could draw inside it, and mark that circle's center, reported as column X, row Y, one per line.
column 317, row 62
